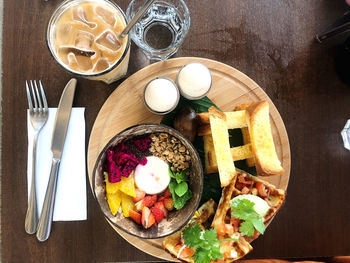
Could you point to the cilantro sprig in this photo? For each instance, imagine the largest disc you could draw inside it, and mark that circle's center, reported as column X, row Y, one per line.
column 244, row 209
column 179, row 188
column 204, row 242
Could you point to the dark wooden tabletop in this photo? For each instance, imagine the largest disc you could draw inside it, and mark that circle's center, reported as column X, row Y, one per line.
column 272, row 41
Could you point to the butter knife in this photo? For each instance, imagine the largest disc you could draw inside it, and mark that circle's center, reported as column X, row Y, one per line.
column 58, row 139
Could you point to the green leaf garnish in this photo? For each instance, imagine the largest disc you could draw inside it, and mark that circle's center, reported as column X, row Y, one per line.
column 179, row 188
column 204, row 242
column 244, row 209
column 180, row 176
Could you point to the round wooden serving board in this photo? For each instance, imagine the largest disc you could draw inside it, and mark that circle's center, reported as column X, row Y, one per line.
column 125, row 108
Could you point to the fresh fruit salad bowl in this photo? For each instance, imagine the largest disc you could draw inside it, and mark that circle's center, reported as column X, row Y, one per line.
column 148, row 180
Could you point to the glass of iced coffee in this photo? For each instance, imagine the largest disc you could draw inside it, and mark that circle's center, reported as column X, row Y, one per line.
column 83, row 36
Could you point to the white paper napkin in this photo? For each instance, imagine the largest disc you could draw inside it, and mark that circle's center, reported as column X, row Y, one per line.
column 70, row 202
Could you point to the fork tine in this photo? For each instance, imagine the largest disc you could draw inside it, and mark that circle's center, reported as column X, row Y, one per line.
column 30, row 104
column 38, row 96
column 34, row 97
column 43, row 96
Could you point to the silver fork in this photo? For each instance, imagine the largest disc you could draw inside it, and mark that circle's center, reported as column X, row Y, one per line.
column 38, row 117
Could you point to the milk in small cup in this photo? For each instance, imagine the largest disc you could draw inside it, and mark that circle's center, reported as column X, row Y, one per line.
column 83, row 37
column 194, row 81
column 161, row 95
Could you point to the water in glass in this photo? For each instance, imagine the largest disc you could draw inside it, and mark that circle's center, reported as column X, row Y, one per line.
column 162, row 29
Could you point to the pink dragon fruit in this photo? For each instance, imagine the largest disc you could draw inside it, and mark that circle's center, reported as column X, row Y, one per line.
column 143, row 144
column 121, row 162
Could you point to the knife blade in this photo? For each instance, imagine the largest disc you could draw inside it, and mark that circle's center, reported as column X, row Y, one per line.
column 57, row 145
column 62, row 119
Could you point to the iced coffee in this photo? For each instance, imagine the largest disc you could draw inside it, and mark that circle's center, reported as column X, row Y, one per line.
column 84, row 37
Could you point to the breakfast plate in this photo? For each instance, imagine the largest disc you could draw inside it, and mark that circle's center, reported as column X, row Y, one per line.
column 125, row 108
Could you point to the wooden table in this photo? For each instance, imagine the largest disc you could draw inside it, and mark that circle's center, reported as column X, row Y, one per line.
column 272, row 41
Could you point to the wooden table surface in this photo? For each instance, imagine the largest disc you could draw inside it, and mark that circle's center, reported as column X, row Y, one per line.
column 272, row 41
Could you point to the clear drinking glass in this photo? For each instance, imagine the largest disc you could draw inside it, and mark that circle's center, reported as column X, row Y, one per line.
column 90, row 31
column 163, row 28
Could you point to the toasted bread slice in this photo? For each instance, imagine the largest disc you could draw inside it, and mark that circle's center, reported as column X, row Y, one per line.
column 234, row 120
column 266, row 159
column 237, row 153
column 245, row 134
column 224, row 159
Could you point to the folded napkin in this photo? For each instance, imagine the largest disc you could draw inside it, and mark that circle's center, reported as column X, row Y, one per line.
column 70, row 202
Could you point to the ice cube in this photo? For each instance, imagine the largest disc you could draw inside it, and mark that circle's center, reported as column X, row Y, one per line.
column 84, row 62
column 75, row 60
column 72, row 60
column 106, row 15
column 64, row 33
column 79, row 15
column 108, row 40
column 101, row 65
column 84, row 40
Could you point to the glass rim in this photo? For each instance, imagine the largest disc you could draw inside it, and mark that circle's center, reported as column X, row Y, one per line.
column 53, row 52
column 156, row 52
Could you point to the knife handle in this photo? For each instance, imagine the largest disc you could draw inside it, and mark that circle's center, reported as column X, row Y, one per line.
column 45, row 221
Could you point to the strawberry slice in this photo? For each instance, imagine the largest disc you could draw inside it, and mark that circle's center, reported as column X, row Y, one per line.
column 161, row 206
column 154, row 200
column 167, row 193
column 139, row 195
column 135, row 216
column 148, row 201
column 139, row 206
column 169, row 203
column 157, row 213
column 147, row 218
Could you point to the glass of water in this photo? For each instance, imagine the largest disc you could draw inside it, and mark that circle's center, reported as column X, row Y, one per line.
column 163, row 28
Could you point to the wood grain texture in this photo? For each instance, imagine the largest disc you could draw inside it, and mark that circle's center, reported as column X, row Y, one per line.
column 271, row 41
column 124, row 108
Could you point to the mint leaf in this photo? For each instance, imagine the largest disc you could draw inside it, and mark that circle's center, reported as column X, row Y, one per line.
column 244, row 209
column 172, row 186
column 171, row 172
column 181, row 177
column 181, row 189
column 180, row 201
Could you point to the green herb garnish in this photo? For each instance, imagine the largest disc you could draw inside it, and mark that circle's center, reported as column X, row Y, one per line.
column 204, row 242
column 179, row 188
column 244, row 209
